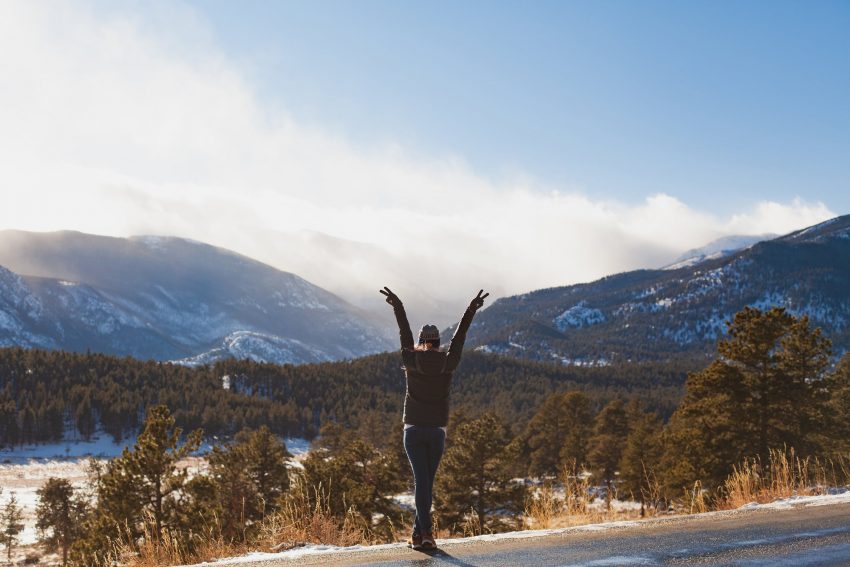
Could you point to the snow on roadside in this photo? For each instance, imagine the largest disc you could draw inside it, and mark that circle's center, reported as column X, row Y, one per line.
column 801, row 501
column 783, row 504
column 311, row 549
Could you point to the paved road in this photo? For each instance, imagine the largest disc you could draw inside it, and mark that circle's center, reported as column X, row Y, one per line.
column 813, row 536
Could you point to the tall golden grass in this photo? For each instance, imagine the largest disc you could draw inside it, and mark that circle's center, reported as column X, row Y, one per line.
column 567, row 501
column 784, row 475
column 304, row 517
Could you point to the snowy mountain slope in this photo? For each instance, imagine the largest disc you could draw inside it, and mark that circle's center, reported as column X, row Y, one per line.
column 169, row 298
column 657, row 314
column 719, row 248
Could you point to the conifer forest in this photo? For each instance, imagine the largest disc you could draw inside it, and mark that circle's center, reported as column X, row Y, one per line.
column 646, row 432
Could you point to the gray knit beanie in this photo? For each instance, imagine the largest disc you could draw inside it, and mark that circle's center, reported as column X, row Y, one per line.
column 429, row 334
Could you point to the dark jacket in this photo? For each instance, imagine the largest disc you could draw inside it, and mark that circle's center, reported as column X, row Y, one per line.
column 429, row 373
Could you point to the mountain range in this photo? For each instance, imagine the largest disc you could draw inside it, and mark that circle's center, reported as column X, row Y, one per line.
column 170, row 299
column 681, row 310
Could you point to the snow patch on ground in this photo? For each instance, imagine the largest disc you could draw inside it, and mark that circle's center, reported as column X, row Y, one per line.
column 615, row 561
column 798, row 501
column 312, row 549
column 801, row 501
column 577, row 316
column 99, row 446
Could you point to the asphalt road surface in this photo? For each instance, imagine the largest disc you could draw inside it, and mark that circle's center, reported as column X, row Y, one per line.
column 812, row 536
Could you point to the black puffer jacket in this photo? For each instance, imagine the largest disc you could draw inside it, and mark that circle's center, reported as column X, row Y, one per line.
column 429, row 373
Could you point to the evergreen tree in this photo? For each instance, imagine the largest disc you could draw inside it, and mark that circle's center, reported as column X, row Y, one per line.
column 11, row 525
column 142, row 483
column 763, row 392
column 59, row 515
column 266, row 458
column 558, row 434
column 353, row 476
column 610, row 430
column 250, row 476
column 84, row 418
column 837, row 406
column 641, row 454
column 473, row 485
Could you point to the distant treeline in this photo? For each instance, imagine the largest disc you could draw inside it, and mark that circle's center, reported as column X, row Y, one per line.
column 46, row 394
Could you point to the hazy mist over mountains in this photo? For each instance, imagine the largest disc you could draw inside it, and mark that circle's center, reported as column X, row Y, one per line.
column 168, row 299
column 678, row 311
column 177, row 299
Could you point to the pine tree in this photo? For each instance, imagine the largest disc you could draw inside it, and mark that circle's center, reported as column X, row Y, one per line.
column 354, row 476
column 473, row 484
column 762, row 393
column 11, row 525
column 558, row 434
column 610, row 430
column 59, row 515
column 143, row 482
column 250, row 476
column 837, row 406
column 266, row 460
column 641, row 454
column 84, row 418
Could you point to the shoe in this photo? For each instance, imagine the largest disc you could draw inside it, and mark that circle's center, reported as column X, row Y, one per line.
column 415, row 541
column 428, row 541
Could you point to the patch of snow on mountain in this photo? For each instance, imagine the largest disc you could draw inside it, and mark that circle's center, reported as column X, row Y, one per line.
column 299, row 297
column 648, row 292
column 577, row 316
column 579, row 361
column 813, row 228
column 685, row 263
column 259, row 347
column 96, row 311
column 717, row 249
column 152, row 242
column 771, row 299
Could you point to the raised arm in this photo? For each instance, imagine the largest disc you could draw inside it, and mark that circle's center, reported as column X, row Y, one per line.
column 456, row 346
column 401, row 318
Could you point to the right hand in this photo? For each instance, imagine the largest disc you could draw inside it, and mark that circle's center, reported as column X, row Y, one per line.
column 392, row 298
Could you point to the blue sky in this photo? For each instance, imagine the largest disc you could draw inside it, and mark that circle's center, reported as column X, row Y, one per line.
column 721, row 104
column 435, row 147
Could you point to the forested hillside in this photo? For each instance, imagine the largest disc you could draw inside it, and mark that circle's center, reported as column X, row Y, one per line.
column 659, row 314
column 45, row 394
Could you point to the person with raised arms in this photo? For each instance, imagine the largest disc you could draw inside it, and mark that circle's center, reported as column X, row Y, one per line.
column 428, row 373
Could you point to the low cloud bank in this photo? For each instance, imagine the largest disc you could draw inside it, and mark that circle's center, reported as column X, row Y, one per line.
column 115, row 125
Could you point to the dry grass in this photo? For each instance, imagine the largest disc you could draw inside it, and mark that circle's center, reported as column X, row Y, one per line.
column 168, row 549
column 697, row 499
column 299, row 521
column 569, row 502
column 784, row 475
column 302, row 519
column 304, row 516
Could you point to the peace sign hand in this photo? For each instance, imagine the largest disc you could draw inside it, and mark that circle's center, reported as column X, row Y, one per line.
column 392, row 298
column 478, row 301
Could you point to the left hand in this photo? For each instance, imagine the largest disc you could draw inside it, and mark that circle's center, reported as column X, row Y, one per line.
column 478, row 301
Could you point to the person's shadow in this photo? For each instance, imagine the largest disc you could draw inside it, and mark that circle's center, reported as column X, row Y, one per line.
column 439, row 557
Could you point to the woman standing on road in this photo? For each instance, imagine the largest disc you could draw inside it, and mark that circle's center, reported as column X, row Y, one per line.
column 428, row 372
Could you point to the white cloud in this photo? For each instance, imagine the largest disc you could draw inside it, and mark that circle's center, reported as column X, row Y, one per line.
column 117, row 124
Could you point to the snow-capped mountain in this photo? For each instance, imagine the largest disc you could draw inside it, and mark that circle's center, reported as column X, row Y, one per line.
column 169, row 299
column 656, row 314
